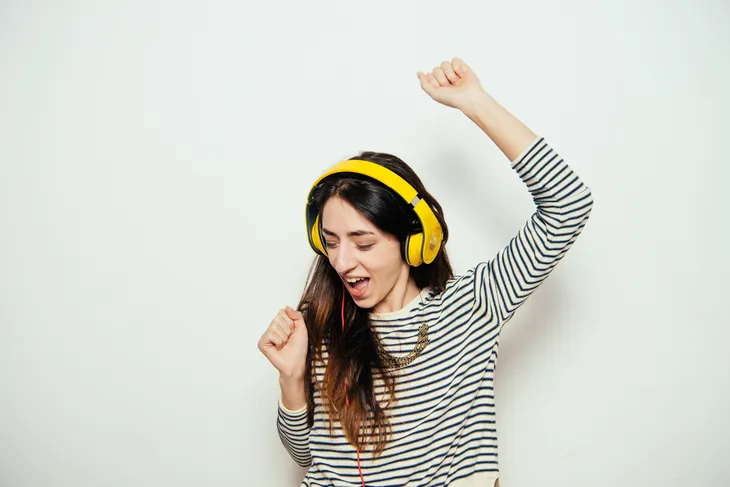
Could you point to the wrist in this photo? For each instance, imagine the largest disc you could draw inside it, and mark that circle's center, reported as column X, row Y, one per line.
column 293, row 393
column 480, row 107
column 291, row 381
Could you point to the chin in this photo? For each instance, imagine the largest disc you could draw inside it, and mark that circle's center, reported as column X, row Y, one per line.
column 365, row 302
column 362, row 302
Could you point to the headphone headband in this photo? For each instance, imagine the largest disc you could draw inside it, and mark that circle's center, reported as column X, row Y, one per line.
column 420, row 248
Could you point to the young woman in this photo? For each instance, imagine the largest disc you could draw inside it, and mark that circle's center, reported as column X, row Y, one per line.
column 387, row 366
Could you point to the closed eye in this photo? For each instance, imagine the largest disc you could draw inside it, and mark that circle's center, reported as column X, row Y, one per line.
column 331, row 245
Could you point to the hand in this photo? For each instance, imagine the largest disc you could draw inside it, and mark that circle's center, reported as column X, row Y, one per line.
column 284, row 343
column 453, row 84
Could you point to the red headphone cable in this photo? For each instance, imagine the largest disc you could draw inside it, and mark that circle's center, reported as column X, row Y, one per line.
column 347, row 400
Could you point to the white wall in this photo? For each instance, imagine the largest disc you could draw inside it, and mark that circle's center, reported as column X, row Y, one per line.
column 154, row 160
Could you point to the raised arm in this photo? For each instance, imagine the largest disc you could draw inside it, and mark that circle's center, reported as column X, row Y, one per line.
column 563, row 201
column 564, row 204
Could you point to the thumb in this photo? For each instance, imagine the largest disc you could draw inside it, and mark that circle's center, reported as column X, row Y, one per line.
column 427, row 84
column 293, row 314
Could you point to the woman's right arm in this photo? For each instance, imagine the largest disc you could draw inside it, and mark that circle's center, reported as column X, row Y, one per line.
column 285, row 344
column 291, row 421
column 293, row 393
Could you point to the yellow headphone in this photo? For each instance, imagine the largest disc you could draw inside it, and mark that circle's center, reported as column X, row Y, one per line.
column 420, row 247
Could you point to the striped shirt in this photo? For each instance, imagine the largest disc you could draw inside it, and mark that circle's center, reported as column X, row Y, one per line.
column 443, row 421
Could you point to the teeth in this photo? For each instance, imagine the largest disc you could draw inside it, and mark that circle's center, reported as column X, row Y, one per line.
column 353, row 280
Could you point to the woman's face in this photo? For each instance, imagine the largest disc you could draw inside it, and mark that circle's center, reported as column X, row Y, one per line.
column 367, row 259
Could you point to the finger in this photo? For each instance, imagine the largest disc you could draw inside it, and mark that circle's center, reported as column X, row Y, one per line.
column 432, row 81
column 283, row 328
column 271, row 351
column 425, row 83
column 261, row 345
column 268, row 339
column 277, row 339
column 284, row 316
column 449, row 73
column 438, row 73
column 459, row 66
column 293, row 314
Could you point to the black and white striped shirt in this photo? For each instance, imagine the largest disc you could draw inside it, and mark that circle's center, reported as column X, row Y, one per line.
column 444, row 429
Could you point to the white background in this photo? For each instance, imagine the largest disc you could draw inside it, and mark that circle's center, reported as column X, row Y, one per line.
column 154, row 161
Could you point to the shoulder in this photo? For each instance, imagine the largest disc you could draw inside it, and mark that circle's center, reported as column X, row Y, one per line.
column 461, row 285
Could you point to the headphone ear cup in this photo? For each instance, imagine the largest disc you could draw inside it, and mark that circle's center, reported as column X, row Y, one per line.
column 317, row 239
column 404, row 250
column 432, row 247
column 414, row 245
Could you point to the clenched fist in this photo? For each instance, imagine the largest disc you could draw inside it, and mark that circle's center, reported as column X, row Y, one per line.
column 453, row 84
column 284, row 343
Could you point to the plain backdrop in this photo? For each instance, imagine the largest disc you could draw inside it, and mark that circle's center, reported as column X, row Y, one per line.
column 154, row 162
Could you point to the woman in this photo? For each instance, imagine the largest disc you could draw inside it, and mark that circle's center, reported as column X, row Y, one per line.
column 387, row 367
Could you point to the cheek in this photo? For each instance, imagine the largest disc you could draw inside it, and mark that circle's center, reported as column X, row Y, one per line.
column 386, row 261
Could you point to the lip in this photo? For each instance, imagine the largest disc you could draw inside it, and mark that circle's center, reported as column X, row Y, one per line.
column 354, row 292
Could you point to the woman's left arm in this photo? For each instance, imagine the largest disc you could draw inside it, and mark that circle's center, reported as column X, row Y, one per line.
column 563, row 201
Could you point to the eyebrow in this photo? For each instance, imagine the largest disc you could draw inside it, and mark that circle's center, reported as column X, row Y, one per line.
column 356, row 233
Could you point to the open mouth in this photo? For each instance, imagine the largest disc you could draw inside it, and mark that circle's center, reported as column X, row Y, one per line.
column 358, row 286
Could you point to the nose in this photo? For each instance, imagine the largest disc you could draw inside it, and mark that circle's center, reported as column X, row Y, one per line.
column 343, row 258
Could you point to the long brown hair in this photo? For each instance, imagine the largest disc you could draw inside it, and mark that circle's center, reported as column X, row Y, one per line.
column 352, row 357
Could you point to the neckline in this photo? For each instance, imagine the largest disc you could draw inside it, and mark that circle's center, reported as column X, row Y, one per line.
column 405, row 310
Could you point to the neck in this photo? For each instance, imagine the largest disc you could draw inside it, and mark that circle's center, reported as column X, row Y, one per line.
column 404, row 291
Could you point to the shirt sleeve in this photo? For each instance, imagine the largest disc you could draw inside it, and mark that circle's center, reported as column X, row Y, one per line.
column 564, row 204
column 294, row 433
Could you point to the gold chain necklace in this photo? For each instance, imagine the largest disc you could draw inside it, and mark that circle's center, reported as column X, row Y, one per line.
column 392, row 362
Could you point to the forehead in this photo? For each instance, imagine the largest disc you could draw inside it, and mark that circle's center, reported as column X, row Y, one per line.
column 340, row 217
